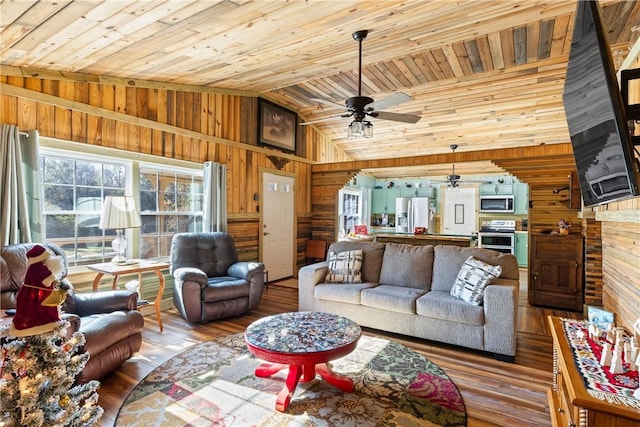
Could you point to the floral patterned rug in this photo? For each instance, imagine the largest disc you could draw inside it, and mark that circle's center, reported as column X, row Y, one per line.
column 213, row 384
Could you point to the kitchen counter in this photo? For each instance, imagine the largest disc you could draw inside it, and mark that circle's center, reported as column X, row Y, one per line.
column 426, row 239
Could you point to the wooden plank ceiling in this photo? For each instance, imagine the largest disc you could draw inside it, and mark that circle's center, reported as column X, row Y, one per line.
column 481, row 74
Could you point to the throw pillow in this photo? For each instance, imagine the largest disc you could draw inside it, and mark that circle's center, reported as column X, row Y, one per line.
column 473, row 278
column 407, row 265
column 344, row 267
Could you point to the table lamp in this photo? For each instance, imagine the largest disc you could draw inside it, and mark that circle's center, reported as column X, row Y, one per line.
column 118, row 213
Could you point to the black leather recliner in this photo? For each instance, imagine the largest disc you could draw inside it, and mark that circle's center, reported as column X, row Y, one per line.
column 209, row 281
column 111, row 324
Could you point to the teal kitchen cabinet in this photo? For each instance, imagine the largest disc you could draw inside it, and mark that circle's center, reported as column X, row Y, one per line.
column 378, row 200
column 496, row 189
column 522, row 248
column 521, row 198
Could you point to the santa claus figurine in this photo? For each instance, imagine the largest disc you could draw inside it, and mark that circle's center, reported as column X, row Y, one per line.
column 38, row 300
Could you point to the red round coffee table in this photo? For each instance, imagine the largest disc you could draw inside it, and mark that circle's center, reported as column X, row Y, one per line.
column 305, row 342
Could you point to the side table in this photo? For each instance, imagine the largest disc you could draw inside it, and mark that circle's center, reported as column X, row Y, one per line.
column 139, row 267
column 304, row 342
column 570, row 403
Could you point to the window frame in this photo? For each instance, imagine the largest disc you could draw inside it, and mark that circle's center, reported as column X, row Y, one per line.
column 133, row 162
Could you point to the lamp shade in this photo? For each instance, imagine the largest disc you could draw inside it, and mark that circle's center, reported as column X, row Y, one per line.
column 119, row 212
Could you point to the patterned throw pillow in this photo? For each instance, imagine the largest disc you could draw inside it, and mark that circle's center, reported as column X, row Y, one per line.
column 344, row 267
column 473, row 278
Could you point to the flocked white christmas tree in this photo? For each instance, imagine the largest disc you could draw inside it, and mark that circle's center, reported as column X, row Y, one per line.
column 37, row 380
column 39, row 363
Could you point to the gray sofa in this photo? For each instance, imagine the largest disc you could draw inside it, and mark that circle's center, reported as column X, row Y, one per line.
column 405, row 289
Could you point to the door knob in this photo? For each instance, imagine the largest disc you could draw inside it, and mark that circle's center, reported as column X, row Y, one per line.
column 266, row 233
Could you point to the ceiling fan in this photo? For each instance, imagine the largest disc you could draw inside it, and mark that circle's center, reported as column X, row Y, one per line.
column 361, row 107
column 455, row 180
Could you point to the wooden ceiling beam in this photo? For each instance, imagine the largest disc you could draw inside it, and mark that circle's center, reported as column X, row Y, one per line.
column 538, row 152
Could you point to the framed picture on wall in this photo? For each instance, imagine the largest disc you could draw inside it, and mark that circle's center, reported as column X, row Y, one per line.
column 276, row 126
column 600, row 317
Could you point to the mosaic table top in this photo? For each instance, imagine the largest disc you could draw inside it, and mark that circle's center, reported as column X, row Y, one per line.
column 302, row 332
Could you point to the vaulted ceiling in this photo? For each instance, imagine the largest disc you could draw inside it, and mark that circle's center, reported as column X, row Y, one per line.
column 481, row 74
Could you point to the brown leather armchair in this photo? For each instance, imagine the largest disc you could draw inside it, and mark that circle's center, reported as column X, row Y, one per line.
column 109, row 320
column 209, row 281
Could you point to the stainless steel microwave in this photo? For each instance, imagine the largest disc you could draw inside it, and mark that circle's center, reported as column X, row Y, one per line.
column 500, row 204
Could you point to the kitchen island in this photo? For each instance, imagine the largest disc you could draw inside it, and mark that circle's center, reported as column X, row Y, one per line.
column 425, row 239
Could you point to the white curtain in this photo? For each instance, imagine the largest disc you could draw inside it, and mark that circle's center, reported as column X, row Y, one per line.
column 215, row 197
column 20, row 201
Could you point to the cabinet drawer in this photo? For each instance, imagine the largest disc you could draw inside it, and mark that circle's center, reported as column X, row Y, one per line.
column 566, row 411
column 554, row 249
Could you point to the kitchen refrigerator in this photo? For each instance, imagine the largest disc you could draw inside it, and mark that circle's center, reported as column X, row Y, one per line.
column 412, row 212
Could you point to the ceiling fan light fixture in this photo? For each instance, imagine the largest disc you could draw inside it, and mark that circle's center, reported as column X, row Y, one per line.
column 368, row 130
column 361, row 107
column 360, row 129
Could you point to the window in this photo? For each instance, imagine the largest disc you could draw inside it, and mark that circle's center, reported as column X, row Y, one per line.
column 170, row 203
column 73, row 191
column 170, row 199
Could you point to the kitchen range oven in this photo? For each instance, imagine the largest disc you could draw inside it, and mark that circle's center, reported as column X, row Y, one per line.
column 499, row 235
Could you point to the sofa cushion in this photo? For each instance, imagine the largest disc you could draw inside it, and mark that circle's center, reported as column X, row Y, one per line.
column 347, row 292
column 344, row 267
column 371, row 257
column 224, row 288
column 448, row 260
column 393, row 298
column 473, row 277
column 407, row 265
column 441, row 305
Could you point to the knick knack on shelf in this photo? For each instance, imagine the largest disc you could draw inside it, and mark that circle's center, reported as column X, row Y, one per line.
column 631, row 357
column 605, row 358
column 616, row 361
column 564, row 226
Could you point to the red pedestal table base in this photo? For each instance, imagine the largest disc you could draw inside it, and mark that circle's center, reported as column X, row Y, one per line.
column 302, row 373
column 304, row 342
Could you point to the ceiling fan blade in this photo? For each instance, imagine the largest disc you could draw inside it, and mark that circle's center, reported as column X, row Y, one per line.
column 324, row 119
column 390, row 101
column 396, row 117
column 325, row 102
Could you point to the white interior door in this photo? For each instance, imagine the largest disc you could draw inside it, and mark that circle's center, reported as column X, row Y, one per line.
column 277, row 225
column 460, row 211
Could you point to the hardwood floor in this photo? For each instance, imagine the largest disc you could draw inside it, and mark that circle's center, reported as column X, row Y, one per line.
column 495, row 393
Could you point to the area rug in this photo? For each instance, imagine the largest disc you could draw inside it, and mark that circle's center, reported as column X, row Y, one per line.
column 213, row 384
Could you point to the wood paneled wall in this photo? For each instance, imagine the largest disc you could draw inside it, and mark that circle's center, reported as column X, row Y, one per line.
column 621, row 243
column 621, row 269
column 621, row 259
column 547, row 208
column 593, row 283
column 194, row 126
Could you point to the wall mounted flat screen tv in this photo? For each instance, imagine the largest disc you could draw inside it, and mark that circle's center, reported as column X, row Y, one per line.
column 602, row 146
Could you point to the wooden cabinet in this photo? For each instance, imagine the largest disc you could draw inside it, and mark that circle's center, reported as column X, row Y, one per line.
column 570, row 404
column 556, row 272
